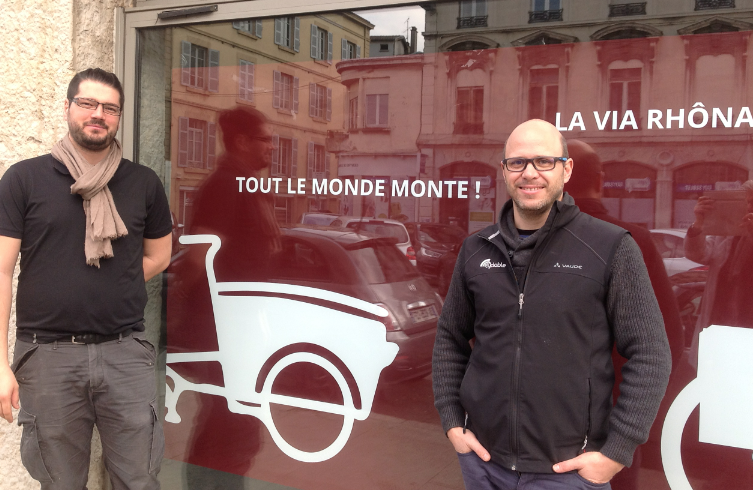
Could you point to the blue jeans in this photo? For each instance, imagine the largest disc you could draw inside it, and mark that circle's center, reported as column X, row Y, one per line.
column 66, row 389
column 482, row 475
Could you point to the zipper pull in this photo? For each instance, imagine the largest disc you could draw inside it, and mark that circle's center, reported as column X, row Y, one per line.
column 585, row 443
column 520, row 302
column 465, row 423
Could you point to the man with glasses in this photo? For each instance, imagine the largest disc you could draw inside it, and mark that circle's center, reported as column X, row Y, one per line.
column 91, row 228
column 522, row 366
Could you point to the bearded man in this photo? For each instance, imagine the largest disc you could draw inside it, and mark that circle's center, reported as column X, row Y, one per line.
column 91, row 228
column 528, row 403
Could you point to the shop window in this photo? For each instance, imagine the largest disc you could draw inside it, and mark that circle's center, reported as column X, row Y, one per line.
column 196, row 143
column 318, row 159
column 288, row 32
column 321, row 44
column 543, row 94
column 545, row 11
column 249, row 26
column 629, row 192
column 285, row 157
column 469, row 110
column 199, row 67
column 625, row 93
column 377, row 110
column 283, row 209
column 320, row 102
column 691, row 181
column 353, row 113
column 349, row 50
column 185, row 208
column 285, row 91
column 472, row 14
column 246, row 81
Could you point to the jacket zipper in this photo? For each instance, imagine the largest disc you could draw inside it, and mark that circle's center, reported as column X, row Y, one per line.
column 514, row 435
column 588, row 419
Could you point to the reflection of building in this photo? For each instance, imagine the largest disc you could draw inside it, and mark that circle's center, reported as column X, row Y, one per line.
column 620, row 59
column 393, row 45
column 283, row 67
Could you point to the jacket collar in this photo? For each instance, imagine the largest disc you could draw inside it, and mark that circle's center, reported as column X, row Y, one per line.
column 565, row 210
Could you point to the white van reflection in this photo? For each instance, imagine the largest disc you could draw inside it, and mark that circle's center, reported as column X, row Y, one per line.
column 256, row 320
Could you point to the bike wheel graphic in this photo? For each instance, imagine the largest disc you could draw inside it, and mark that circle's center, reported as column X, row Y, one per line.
column 347, row 409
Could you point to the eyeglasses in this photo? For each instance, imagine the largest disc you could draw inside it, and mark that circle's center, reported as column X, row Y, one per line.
column 91, row 105
column 542, row 164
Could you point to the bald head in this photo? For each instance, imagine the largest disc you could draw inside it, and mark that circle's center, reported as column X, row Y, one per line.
column 537, row 128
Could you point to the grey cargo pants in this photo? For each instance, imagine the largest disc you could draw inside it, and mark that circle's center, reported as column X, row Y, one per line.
column 66, row 389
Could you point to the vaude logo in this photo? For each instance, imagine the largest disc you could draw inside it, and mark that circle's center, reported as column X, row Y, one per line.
column 567, row 266
column 488, row 264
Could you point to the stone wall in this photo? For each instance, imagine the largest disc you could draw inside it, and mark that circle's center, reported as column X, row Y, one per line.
column 45, row 43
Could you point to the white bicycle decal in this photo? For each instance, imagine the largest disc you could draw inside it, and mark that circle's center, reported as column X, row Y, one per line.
column 252, row 328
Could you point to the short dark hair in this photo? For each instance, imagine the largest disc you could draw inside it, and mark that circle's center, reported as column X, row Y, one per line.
column 240, row 121
column 95, row 75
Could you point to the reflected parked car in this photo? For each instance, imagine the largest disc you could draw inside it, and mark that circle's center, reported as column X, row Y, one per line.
column 380, row 227
column 372, row 269
column 431, row 241
column 670, row 244
column 318, row 219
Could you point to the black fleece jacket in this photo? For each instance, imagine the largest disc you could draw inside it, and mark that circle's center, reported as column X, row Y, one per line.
column 520, row 385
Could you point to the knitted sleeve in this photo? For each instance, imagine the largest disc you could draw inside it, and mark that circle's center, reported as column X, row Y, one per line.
column 452, row 349
column 640, row 337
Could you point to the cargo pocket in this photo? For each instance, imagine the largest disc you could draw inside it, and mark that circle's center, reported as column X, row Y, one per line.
column 31, row 455
column 158, row 442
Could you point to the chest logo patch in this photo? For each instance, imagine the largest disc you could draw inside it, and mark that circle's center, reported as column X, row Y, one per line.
column 488, row 264
column 568, row 266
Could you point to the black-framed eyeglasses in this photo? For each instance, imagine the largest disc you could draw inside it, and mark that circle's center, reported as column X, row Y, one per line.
column 542, row 164
column 91, row 105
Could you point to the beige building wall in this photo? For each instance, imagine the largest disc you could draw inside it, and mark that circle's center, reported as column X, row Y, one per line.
column 45, row 43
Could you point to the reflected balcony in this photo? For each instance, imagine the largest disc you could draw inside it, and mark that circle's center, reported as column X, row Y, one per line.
column 625, row 9
column 544, row 16
column 714, row 4
column 477, row 21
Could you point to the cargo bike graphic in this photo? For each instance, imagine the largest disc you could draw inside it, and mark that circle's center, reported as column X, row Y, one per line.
column 258, row 320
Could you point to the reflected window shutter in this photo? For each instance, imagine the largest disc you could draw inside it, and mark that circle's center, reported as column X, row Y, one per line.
column 343, row 49
column 242, row 90
column 276, row 154
column 278, row 31
column 297, row 37
column 329, row 104
column 383, row 109
column 237, row 24
column 295, row 94
column 314, row 41
column 294, row 158
column 250, row 67
column 358, row 52
column 258, row 28
column 312, row 99
column 214, row 70
column 182, row 141
column 276, row 88
column 211, row 144
column 310, row 161
column 185, row 63
column 326, row 165
column 330, row 42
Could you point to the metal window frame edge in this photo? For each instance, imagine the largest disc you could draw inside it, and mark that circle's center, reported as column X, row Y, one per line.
column 144, row 15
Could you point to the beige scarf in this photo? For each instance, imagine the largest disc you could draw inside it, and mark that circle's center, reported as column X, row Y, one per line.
column 103, row 223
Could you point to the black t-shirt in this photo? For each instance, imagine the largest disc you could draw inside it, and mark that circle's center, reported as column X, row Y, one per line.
column 58, row 294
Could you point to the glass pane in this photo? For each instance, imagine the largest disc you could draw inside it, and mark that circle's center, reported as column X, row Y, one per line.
column 300, row 354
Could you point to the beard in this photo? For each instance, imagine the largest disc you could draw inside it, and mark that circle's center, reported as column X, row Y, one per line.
column 89, row 141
